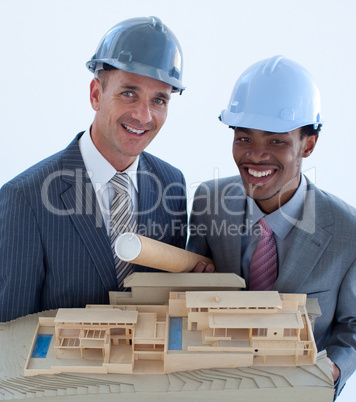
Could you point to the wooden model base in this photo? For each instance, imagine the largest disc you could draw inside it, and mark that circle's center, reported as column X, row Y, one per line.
column 268, row 384
column 111, row 349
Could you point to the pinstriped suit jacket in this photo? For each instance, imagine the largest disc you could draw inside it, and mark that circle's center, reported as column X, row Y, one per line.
column 321, row 263
column 54, row 249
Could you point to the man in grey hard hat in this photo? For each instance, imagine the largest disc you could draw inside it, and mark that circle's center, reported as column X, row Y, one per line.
column 270, row 224
column 60, row 218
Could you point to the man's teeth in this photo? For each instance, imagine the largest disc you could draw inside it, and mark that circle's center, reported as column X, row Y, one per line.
column 255, row 173
column 133, row 130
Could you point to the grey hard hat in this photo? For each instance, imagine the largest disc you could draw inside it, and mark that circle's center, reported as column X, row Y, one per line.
column 142, row 46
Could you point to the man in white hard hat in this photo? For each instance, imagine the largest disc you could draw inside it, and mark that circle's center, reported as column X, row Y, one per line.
column 270, row 225
column 60, row 218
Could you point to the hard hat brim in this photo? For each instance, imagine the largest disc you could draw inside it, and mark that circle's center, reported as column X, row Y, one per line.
column 140, row 69
column 263, row 123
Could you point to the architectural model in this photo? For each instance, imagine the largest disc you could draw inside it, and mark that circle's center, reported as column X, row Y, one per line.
column 173, row 337
column 211, row 340
column 193, row 330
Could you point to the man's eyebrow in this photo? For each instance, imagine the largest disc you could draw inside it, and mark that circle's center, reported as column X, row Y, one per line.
column 132, row 87
column 274, row 133
column 163, row 95
column 244, row 129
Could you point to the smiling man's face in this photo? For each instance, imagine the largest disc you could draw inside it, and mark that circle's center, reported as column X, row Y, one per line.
column 130, row 111
column 270, row 164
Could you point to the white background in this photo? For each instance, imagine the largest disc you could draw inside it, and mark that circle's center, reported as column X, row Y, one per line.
column 44, row 83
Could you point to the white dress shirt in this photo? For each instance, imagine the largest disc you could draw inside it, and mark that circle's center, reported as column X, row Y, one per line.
column 101, row 172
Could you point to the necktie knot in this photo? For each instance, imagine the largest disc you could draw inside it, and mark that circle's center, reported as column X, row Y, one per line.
column 120, row 182
column 266, row 231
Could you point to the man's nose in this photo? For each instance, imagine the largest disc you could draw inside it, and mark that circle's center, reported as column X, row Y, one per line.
column 142, row 112
column 257, row 153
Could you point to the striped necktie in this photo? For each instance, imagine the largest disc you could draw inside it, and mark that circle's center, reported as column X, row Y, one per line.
column 122, row 220
column 263, row 267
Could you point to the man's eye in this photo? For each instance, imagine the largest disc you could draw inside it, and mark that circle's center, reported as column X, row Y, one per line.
column 159, row 101
column 128, row 93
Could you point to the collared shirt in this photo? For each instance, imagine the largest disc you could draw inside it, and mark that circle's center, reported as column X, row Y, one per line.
column 282, row 222
column 101, row 172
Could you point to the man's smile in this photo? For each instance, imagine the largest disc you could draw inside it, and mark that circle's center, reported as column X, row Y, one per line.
column 258, row 173
column 133, row 130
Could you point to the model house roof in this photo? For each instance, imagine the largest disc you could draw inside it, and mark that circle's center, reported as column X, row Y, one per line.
column 74, row 315
column 221, row 299
column 184, row 280
column 280, row 320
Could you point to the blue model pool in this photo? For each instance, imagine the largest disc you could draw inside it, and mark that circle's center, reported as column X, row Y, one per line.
column 175, row 333
column 41, row 346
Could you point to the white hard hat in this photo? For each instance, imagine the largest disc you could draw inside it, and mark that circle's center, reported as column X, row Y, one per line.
column 276, row 95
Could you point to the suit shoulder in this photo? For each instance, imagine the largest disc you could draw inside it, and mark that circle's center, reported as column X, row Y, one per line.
column 343, row 213
column 36, row 174
column 223, row 184
column 340, row 205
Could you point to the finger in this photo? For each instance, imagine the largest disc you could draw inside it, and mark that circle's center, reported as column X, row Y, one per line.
column 200, row 267
column 210, row 268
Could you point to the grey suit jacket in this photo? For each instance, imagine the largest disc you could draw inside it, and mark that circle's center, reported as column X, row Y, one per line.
column 321, row 263
column 54, row 248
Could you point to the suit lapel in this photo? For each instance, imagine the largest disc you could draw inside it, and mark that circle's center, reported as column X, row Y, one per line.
column 84, row 211
column 310, row 242
column 233, row 213
column 152, row 217
column 146, row 194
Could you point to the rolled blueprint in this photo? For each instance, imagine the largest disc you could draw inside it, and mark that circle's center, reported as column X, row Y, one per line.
column 151, row 253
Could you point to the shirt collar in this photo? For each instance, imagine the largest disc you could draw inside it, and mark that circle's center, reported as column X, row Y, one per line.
column 283, row 219
column 99, row 169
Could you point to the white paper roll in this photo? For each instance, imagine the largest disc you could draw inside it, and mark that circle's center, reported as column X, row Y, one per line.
column 151, row 253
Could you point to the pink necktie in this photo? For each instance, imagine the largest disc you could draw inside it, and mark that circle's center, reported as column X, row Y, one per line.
column 263, row 266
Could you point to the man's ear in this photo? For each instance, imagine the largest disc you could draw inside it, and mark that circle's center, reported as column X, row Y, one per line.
column 309, row 145
column 95, row 94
